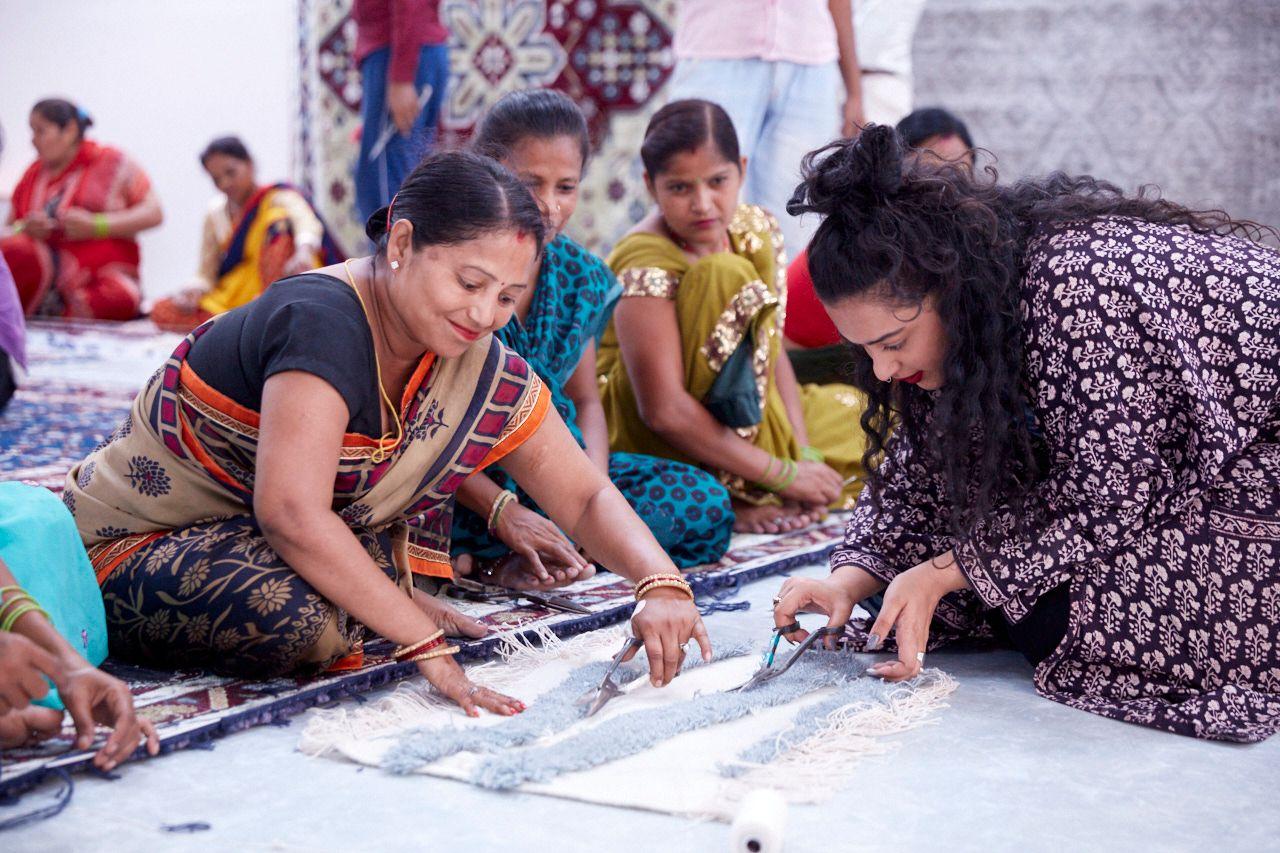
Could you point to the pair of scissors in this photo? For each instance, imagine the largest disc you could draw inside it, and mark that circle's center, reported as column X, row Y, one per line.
column 596, row 698
column 768, row 671
column 475, row 591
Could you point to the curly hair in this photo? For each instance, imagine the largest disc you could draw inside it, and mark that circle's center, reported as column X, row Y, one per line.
column 900, row 228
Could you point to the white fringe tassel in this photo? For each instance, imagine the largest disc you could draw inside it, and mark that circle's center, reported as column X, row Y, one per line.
column 415, row 703
column 811, row 771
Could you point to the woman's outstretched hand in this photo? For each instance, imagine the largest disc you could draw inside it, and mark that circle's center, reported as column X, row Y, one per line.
column 666, row 619
column 449, row 678
column 833, row 596
column 908, row 608
column 548, row 554
column 92, row 697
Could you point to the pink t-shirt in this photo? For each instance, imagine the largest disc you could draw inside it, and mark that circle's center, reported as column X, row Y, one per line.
column 798, row 31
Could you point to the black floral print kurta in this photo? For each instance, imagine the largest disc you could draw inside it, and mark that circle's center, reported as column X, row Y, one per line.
column 1153, row 363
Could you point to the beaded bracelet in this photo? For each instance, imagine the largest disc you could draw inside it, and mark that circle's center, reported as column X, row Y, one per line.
column 21, row 610
column 504, row 497
column 680, row 585
column 809, row 453
column 403, row 652
column 434, row 653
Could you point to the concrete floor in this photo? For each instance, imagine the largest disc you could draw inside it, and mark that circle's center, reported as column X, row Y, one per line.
column 1002, row 769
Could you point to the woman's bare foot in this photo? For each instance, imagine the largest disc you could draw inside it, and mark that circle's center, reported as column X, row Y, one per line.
column 28, row 726
column 514, row 572
column 454, row 622
column 768, row 518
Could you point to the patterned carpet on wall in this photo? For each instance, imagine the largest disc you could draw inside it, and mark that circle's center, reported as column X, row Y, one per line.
column 612, row 56
column 83, row 377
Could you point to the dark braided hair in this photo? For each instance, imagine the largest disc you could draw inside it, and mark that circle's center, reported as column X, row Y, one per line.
column 903, row 229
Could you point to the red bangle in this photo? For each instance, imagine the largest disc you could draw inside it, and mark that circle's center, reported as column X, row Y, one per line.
column 403, row 652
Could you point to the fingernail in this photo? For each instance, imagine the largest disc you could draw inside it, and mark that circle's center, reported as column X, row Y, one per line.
column 871, row 670
column 873, row 642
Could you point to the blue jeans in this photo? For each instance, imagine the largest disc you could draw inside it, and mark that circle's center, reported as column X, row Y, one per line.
column 378, row 178
column 782, row 111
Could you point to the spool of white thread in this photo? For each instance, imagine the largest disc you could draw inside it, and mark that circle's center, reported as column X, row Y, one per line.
column 761, row 823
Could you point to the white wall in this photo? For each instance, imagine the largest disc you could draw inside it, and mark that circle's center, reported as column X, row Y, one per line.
column 160, row 78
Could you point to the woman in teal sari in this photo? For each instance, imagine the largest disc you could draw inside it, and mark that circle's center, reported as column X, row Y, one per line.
column 541, row 135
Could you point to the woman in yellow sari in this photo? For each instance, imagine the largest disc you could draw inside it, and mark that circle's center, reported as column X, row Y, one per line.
column 690, row 367
column 253, row 235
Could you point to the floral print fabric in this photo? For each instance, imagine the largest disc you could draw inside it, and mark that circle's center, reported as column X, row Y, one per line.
column 1153, row 363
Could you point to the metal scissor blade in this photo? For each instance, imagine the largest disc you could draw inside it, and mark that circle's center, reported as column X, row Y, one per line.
column 760, row 676
column 597, row 698
column 555, row 602
column 768, row 673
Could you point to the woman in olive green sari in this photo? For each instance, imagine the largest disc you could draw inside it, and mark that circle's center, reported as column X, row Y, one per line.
column 691, row 367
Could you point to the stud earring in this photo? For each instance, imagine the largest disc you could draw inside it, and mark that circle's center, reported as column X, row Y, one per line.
column 395, row 265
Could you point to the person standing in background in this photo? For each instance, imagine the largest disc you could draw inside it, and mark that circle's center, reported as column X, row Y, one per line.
column 776, row 67
column 883, row 33
column 403, row 55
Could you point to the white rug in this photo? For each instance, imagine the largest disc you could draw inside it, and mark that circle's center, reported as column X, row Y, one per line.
column 700, row 773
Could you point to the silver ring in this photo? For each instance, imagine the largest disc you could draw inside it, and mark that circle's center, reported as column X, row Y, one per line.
column 475, row 688
column 919, row 657
column 777, row 599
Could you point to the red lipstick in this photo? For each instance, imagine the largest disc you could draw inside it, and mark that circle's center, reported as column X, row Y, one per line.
column 464, row 333
column 913, row 378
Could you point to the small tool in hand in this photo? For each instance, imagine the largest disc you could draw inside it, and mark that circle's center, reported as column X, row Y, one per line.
column 598, row 697
column 768, row 672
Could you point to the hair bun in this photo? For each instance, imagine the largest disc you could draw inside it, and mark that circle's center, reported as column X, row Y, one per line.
column 375, row 227
column 851, row 177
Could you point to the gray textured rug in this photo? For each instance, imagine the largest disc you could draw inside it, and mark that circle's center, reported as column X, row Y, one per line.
column 1181, row 93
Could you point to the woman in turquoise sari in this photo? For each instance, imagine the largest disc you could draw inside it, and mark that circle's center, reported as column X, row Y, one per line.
column 53, row 635
column 541, row 135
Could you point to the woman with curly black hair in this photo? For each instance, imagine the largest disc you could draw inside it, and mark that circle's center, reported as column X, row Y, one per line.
column 1073, row 433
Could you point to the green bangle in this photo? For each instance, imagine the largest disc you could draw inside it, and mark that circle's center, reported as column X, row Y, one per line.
column 787, row 476
column 810, row 453
column 20, row 611
column 101, row 228
column 13, row 602
column 793, row 471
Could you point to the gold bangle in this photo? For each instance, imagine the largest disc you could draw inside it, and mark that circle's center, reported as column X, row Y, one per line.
column 680, row 585
column 434, row 653
column 661, row 576
column 402, row 652
column 500, row 502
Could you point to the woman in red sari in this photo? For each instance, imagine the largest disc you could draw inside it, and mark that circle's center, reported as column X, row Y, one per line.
column 76, row 213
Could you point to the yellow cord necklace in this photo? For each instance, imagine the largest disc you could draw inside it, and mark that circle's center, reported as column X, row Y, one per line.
column 379, row 453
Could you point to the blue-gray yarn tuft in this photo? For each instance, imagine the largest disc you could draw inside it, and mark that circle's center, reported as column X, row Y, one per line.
column 553, row 712
column 632, row 733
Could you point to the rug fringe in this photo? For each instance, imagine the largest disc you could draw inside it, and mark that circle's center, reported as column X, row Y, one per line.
column 811, row 771
column 415, row 702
